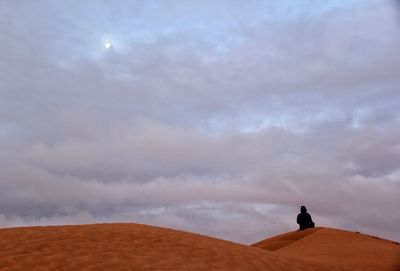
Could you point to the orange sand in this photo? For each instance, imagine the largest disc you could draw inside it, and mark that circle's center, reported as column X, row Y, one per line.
column 352, row 250
column 141, row 247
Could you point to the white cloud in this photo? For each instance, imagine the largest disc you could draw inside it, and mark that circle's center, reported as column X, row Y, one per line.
column 206, row 132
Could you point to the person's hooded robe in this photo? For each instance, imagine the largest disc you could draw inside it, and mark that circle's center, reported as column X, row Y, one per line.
column 304, row 219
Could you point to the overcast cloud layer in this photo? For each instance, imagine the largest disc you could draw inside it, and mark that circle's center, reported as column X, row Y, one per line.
column 218, row 117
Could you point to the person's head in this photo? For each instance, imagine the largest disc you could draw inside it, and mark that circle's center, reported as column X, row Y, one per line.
column 303, row 209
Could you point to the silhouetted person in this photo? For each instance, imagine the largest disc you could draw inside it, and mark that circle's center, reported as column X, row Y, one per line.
column 304, row 219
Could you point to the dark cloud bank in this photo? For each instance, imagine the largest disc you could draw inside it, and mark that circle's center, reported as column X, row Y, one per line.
column 219, row 119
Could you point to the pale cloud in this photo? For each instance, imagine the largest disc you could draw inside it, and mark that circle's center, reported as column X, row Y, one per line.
column 229, row 121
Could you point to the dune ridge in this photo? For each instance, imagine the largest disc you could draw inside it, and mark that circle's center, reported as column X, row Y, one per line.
column 285, row 239
column 143, row 247
column 352, row 250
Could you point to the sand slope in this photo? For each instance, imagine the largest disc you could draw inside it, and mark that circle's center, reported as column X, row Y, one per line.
column 141, row 247
column 133, row 247
column 352, row 250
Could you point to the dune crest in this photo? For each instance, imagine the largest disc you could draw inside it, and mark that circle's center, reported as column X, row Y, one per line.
column 282, row 240
column 351, row 250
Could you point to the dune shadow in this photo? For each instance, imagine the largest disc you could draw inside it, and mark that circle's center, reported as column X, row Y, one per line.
column 283, row 240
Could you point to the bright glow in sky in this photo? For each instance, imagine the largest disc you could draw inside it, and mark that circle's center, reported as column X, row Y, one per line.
column 107, row 45
column 208, row 116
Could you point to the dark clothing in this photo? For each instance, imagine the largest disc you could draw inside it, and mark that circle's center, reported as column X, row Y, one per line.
column 305, row 221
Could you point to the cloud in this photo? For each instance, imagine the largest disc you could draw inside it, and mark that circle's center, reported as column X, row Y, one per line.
column 230, row 121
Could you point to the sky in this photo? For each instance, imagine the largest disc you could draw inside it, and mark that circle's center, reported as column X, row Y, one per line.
column 216, row 117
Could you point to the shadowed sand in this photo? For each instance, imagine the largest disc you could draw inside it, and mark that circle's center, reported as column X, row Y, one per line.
column 141, row 247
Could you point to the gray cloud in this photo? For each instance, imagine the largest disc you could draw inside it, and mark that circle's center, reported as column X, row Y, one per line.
column 204, row 117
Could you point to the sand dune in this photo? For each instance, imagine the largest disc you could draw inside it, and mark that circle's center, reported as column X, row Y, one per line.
column 352, row 250
column 141, row 247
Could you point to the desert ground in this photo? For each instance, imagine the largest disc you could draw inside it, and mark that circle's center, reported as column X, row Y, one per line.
column 143, row 247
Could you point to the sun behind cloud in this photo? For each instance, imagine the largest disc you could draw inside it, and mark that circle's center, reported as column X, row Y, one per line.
column 108, row 44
